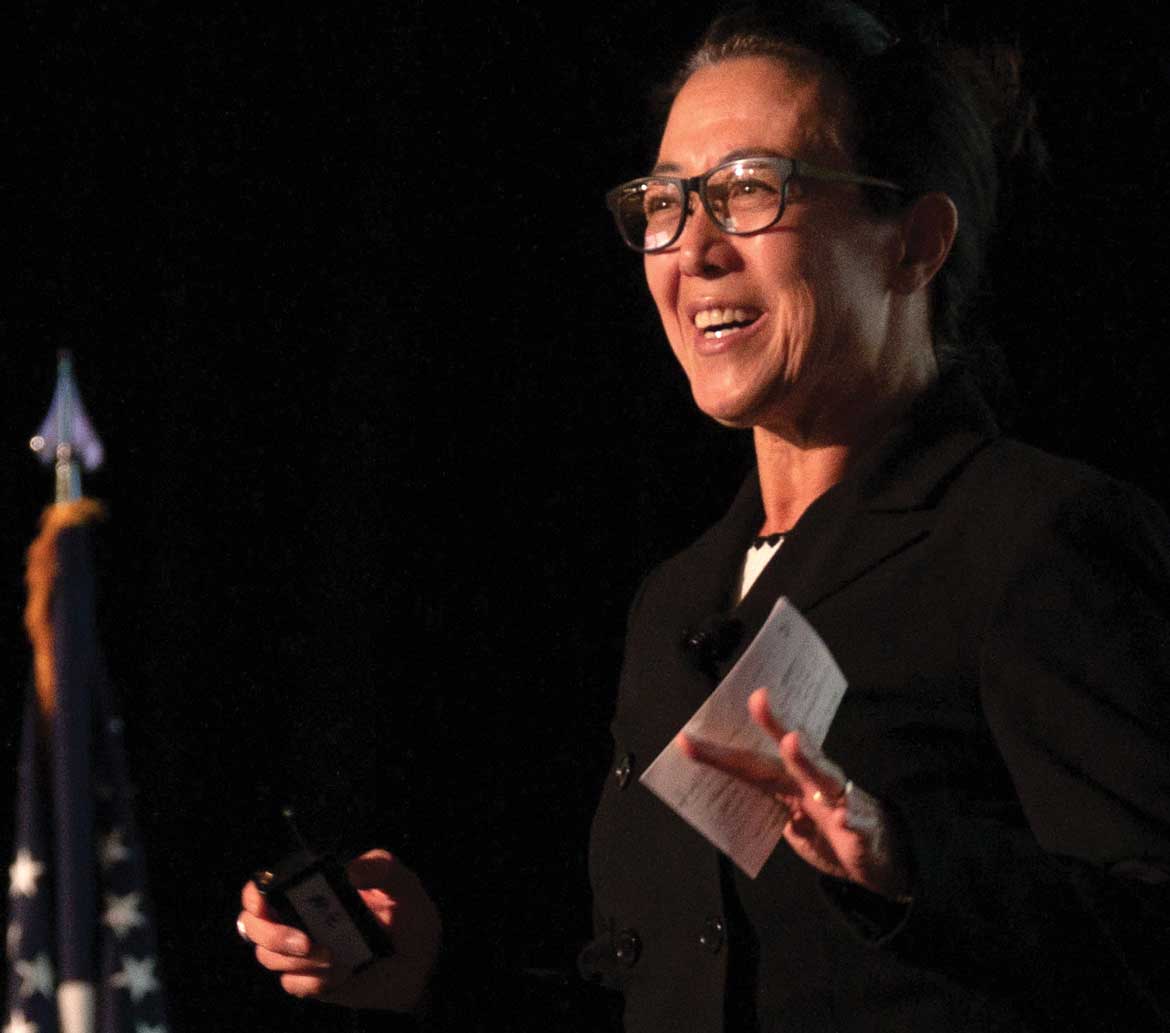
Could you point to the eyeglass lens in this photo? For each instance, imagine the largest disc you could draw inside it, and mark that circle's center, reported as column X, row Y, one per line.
column 743, row 197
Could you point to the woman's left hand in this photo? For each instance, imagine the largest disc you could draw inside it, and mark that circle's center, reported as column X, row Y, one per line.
column 834, row 825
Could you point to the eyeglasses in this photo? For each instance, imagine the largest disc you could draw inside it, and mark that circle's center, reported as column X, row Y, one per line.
column 744, row 195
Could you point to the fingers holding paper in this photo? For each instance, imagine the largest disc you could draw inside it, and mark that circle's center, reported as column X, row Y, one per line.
column 833, row 825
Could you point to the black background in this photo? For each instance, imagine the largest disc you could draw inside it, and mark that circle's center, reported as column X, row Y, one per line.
column 392, row 432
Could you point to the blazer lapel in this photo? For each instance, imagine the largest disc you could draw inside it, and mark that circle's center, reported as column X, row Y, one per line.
column 715, row 560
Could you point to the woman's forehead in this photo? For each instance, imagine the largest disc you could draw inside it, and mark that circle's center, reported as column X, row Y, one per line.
column 764, row 102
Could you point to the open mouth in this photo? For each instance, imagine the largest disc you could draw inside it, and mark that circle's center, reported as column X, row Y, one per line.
column 715, row 322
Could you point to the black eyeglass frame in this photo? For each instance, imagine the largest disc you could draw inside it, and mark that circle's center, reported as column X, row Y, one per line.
column 698, row 185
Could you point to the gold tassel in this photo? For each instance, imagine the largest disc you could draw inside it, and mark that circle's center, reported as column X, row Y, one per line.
column 40, row 576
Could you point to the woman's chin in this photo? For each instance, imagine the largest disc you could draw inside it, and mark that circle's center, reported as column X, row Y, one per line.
column 733, row 405
column 730, row 412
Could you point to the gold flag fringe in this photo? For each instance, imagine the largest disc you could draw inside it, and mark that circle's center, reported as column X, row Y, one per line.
column 40, row 576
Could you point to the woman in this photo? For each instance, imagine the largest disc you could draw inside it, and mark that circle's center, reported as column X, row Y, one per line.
column 989, row 847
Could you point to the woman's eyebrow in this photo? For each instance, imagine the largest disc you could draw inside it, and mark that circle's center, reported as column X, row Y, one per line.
column 751, row 152
column 673, row 168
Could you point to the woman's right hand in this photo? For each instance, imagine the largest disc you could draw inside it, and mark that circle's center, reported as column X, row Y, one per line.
column 400, row 904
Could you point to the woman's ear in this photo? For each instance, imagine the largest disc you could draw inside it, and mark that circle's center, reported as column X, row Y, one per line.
column 928, row 231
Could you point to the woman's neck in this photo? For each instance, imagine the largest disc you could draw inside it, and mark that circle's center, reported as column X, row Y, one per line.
column 792, row 477
column 795, row 470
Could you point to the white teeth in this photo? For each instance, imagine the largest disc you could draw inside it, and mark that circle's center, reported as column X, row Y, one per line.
column 722, row 316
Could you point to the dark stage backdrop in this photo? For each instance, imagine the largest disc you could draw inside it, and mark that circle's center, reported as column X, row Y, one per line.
column 392, row 431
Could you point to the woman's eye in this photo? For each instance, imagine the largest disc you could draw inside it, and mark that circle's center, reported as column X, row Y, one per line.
column 653, row 203
column 747, row 187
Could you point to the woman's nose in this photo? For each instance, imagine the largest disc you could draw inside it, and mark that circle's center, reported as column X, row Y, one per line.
column 704, row 249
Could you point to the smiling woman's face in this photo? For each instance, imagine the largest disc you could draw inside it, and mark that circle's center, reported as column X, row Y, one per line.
column 810, row 297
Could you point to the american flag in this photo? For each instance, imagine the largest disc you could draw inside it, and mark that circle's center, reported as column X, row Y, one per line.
column 81, row 946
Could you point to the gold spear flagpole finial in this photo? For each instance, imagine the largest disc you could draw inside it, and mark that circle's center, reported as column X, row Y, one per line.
column 66, row 437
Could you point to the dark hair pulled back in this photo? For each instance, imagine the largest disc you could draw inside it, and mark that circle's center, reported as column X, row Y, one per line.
column 927, row 115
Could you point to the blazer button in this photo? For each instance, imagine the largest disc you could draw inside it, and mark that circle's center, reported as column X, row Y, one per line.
column 713, row 934
column 627, row 947
column 623, row 769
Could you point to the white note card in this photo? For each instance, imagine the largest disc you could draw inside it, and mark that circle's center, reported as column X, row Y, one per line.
column 805, row 686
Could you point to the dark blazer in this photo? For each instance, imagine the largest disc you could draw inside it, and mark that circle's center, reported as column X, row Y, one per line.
column 1003, row 620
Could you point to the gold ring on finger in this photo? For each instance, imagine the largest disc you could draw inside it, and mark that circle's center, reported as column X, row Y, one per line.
column 819, row 797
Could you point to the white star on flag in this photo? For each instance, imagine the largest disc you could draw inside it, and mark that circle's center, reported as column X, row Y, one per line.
column 142, row 1027
column 137, row 976
column 123, row 914
column 36, row 976
column 113, row 849
column 17, row 1023
column 23, row 874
